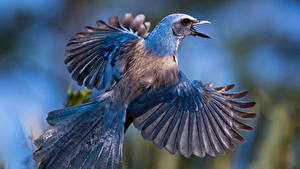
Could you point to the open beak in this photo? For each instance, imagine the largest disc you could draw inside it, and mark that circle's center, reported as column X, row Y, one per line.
column 193, row 30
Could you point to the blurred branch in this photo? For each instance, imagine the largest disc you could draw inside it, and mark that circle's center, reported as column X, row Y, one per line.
column 273, row 144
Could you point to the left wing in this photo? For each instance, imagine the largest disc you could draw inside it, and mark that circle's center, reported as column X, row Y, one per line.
column 96, row 58
column 191, row 117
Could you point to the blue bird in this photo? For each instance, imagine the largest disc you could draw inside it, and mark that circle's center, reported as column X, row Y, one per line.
column 141, row 83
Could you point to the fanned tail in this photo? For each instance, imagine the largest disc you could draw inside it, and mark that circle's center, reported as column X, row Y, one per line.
column 84, row 136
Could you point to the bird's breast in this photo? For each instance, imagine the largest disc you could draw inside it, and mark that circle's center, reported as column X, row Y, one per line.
column 146, row 70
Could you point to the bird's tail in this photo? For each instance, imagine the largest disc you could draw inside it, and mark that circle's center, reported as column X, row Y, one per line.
column 85, row 136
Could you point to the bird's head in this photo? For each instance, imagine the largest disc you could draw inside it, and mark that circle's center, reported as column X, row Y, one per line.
column 182, row 25
column 165, row 37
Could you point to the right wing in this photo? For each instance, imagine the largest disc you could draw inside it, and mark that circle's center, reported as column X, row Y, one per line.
column 95, row 59
column 191, row 117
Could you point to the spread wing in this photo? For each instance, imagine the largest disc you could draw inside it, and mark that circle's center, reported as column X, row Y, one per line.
column 192, row 118
column 95, row 59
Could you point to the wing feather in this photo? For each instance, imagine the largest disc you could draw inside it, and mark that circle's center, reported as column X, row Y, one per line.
column 94, row 56
column 192, row 117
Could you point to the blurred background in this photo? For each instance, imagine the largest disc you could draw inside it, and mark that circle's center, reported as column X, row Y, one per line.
column 255, row 44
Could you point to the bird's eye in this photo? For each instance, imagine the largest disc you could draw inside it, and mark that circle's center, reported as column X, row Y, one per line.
column 186, row 22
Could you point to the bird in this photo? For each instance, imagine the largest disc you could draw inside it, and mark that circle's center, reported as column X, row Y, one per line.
column 137, row 74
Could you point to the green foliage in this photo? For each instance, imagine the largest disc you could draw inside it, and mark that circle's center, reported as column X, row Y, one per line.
column 77, row 97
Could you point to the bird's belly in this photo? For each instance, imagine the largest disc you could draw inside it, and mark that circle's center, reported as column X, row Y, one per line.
column 151, row 72
column 147, row 80
column 129, row 89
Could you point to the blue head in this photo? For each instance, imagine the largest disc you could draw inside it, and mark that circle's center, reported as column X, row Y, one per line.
column 166, row 36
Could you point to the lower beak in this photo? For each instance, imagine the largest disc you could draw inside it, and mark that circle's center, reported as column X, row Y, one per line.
column 193, row 30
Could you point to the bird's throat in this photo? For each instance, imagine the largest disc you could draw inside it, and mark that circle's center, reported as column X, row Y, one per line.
column 162, row 43
column 163, row 47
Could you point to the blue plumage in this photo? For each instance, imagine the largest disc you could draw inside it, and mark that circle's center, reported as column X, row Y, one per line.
column 189, row 101
column 138, row 75
column 93, row 56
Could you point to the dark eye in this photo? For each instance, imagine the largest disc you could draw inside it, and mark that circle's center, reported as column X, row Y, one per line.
column 186, row 22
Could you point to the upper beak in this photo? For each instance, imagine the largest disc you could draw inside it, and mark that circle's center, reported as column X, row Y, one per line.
column 193, row 30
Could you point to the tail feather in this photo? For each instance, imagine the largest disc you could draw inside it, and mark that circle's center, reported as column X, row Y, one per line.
column 92, row 137
column 62, row 116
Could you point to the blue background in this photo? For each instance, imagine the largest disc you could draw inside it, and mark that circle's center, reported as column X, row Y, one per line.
column 255, row 44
